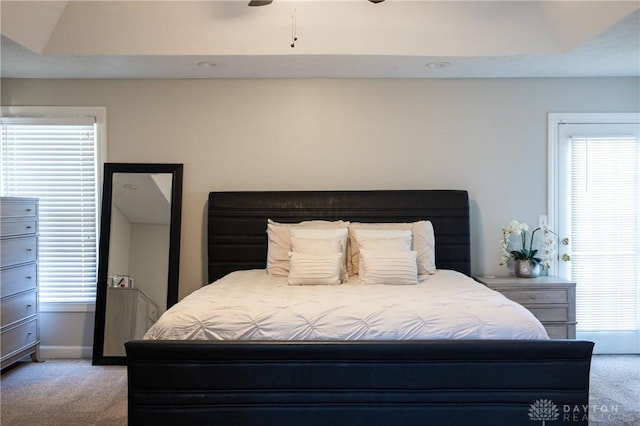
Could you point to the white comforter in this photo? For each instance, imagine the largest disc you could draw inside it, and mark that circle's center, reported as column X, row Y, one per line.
column 251, row 305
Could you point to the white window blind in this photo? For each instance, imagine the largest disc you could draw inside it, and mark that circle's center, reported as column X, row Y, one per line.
column 55, row 160
column 604, row 232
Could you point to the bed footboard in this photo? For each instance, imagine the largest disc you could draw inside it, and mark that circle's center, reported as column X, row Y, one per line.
column 468, row 382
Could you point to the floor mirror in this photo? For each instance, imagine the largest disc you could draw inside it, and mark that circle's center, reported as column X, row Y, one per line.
column 139, row 253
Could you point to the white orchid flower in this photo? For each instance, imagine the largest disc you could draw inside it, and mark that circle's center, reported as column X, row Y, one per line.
column 544, row 254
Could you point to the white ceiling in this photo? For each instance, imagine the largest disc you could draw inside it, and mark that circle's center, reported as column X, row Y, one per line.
column 336, row 39
column 142, row 198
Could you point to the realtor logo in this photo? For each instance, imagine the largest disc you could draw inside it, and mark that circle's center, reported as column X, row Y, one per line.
column 543, row 410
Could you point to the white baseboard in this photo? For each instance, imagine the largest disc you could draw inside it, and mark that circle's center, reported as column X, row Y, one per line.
column 68, row 352
column 612, row 342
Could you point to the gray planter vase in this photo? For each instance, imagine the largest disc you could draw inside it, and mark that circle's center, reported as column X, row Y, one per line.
column 526, row 269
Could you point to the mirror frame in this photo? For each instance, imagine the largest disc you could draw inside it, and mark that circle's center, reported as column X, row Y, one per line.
column 103, row 250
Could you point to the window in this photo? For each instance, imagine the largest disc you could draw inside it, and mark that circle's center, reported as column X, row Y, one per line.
column 604, row 231
column 595, row 201
column 56, row 158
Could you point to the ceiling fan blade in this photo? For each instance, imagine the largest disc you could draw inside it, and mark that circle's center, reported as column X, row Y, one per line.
column 376, row 1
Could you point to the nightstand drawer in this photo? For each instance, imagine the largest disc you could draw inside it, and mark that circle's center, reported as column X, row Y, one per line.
column 18, row 250
column 561, row 331
column 543, row 295
column 552, row 300
column 17, row 308
column 18, row 279
column 550, row 313
column 19, row 337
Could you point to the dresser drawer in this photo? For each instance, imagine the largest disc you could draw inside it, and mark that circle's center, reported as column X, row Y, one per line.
column 543, row 295
column 550, row 313
column 19, row 337
column 18, row 250
column 17, row 308
column 18, row 227
column 26, row 208
column 18, row 279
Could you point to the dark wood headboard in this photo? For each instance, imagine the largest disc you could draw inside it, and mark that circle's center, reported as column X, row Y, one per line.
column 237, row 221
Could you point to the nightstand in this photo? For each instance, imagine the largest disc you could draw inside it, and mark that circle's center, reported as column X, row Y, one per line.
column 551, row 299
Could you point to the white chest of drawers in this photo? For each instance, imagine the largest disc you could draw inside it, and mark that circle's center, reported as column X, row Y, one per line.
column 19, row 322
column 551, row 299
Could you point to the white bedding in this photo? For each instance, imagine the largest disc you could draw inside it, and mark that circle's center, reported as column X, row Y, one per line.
column 252, row 305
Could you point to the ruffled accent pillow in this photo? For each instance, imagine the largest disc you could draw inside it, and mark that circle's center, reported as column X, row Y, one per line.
column 314, row 269
column 322, row 241
column 390, row 268
column 382, row 240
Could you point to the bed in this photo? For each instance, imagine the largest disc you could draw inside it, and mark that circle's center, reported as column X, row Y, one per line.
column 248, row 373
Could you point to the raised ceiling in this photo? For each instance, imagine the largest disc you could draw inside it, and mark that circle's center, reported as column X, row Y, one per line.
column 335, row 39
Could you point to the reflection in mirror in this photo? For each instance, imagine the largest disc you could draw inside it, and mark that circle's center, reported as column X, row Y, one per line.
column 138, row 253
column 138, row 278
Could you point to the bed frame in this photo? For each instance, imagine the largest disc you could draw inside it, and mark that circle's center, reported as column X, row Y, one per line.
column 460, row 382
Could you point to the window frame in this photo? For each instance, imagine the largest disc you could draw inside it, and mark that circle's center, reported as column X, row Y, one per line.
column 606, row 341
column 99, row 113
column 553, row 156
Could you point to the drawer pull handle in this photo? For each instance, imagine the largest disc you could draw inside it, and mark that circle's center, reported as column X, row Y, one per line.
column 28, row 226
column 29, row 249
column 28, row 277
column 28, row 210
column 29, row 305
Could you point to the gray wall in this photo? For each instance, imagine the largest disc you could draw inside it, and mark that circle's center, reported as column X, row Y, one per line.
column 486, row 136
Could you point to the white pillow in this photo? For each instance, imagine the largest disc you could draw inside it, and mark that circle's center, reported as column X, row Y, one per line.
column 391, row 267
column 382, row 240
column 323, row 238
column 309, row 232
column 279, row 242
column 314, row 269
column 423, row 242
column 361, row 233
column 316, row 245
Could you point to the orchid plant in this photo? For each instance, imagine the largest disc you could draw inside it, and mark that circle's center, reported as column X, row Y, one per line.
column 542, row 256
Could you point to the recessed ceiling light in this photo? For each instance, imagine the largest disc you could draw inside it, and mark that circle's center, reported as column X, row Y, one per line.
column 435, row 65
column 208, row 64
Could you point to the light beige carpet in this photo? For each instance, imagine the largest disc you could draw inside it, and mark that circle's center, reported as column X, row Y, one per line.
column 63, row 393
column 73, row 392
column 614, row 397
